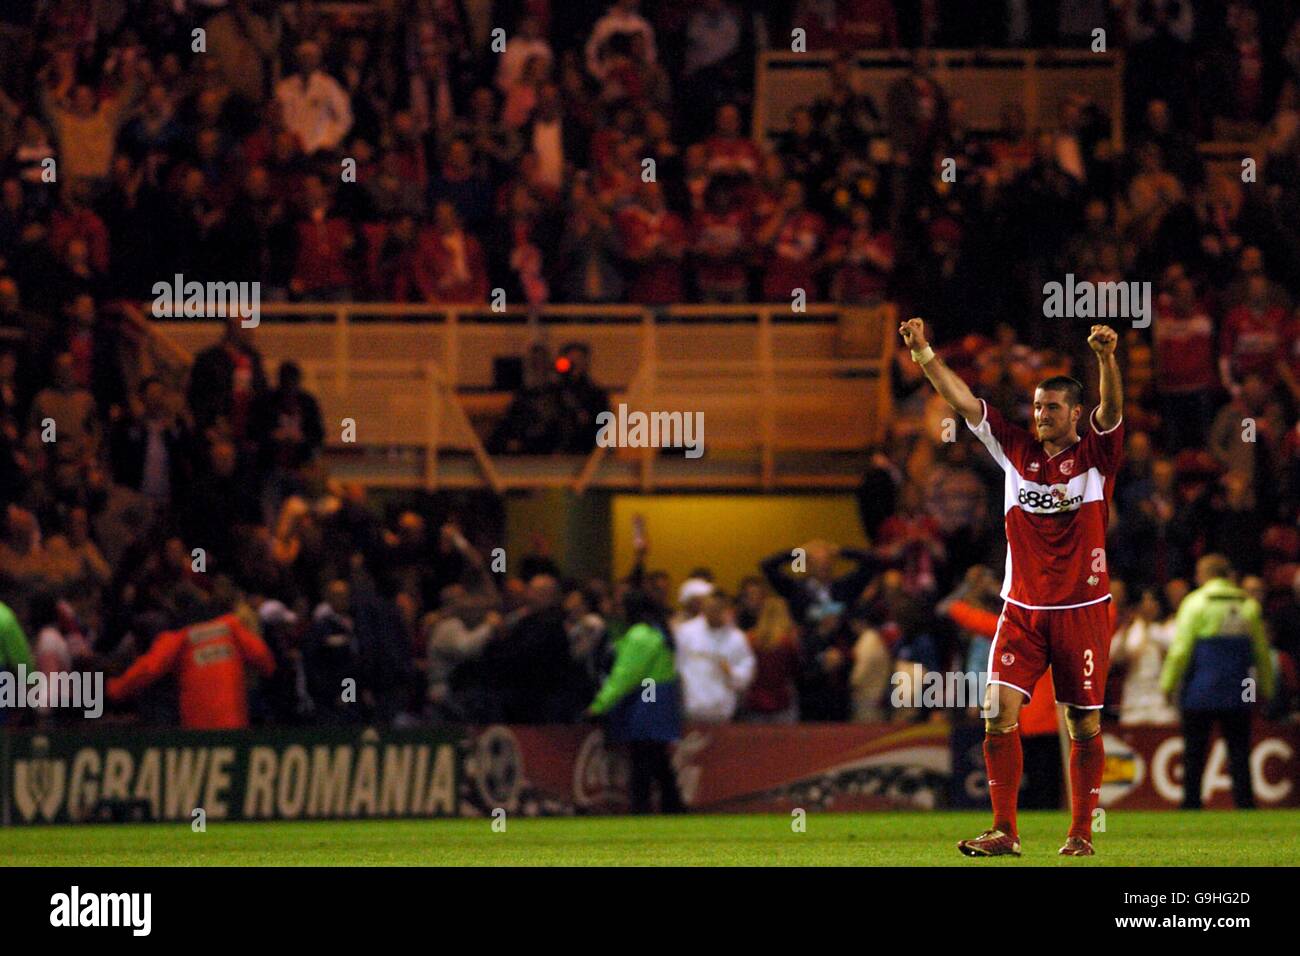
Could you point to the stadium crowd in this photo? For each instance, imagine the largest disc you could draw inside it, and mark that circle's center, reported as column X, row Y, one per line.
column 521, row 169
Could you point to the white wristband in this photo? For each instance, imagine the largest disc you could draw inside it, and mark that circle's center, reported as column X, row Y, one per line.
column 923, row 356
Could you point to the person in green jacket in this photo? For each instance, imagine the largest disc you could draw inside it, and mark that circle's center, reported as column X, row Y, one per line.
column 14, row 649
column 1218, row 637
column 640, row 702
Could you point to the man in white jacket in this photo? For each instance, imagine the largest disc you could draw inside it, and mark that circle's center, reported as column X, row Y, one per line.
column 315, row 107
column 715, row 662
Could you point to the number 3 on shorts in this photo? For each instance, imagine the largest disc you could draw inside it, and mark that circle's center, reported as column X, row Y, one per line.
column 1087, row 662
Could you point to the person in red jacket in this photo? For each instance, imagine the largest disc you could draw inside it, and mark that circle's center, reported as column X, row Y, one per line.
column 794, row 240
column 449, row 264
column 208, row 659
column 323, row 268
column 654, row 240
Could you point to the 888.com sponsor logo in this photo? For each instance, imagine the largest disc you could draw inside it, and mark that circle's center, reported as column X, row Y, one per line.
column 1049, row 500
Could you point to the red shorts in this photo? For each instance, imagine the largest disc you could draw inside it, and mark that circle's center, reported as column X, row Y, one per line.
column 1074, row 642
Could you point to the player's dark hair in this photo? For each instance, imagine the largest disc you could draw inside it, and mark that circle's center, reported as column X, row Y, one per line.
column 1072, row 388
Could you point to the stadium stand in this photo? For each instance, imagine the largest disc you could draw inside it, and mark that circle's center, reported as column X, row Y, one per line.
column 382, row 175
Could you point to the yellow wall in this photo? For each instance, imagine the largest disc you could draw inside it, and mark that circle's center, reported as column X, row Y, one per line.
column 729, row 533
column 576, row 529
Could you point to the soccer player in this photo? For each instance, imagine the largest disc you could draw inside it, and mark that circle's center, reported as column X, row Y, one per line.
column 1056, row 501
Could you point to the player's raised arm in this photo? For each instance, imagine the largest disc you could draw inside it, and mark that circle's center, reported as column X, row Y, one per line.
column 946, row 382
column 1103, row 340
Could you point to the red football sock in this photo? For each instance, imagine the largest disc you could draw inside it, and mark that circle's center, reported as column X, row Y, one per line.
column 1087, row 759
column 1005, row 761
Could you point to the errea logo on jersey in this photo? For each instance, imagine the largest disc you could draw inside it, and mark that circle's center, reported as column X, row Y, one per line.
column 1048, row 500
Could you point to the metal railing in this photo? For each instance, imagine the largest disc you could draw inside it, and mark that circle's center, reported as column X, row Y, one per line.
column 780, row 391
column 1036, row 79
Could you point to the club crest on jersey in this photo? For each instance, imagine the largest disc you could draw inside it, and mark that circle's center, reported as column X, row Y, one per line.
column 1007, row 659
column 1093, row 579
column 1067, row 466
column 1033, row 466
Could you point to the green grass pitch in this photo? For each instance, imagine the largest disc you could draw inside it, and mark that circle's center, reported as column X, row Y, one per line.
column 1162, row 838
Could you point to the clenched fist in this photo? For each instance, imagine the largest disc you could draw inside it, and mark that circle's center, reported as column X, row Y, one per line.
column 913, row 333
column 1103, row 339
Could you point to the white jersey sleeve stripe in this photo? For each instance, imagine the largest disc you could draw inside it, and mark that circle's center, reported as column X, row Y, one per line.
column 984, row 432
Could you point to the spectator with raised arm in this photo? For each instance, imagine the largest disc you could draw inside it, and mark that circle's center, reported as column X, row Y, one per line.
column 85, row 126
column 457, row 635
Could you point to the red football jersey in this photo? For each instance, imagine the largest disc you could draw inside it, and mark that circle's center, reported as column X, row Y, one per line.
column 1252, row 340
column 1184, row 351
column 1056, row 510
